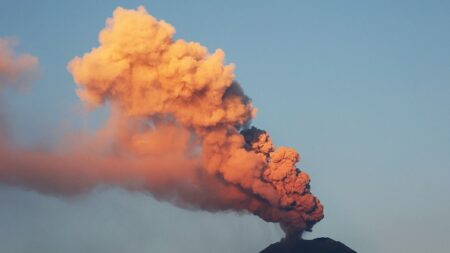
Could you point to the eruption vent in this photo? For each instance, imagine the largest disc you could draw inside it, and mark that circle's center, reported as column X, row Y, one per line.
column 179, row 130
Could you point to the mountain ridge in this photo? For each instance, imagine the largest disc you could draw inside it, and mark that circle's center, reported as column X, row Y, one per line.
column 298, row 245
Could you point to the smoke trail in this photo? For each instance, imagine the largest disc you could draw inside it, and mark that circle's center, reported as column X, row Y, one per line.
column 179, row 131
column 15, row 70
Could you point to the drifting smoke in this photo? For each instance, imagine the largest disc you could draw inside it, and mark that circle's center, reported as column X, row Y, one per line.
column 179, row 130
column 15, row 70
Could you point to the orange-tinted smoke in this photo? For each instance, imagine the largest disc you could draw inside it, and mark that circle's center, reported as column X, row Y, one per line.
column 151, row 77
column 174, row 130
column 15, row 69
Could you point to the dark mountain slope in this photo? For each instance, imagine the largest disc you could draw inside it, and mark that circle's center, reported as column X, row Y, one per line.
column 318, row 245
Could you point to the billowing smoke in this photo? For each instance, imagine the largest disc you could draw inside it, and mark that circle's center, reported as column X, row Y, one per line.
column 179, row 129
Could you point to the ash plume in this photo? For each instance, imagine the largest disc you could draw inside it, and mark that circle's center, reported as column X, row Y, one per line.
column 179, row 129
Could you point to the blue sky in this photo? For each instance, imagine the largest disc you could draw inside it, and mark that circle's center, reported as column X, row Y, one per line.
column 360, row 88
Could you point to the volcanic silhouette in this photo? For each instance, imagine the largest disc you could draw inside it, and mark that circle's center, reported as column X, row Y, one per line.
column 299, row 245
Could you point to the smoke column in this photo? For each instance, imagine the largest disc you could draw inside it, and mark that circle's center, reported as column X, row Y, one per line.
column 179, row 129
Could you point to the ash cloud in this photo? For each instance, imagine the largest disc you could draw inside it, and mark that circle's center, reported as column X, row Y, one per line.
column 178, row 130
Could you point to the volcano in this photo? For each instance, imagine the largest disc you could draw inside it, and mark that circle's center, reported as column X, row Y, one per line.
column 298, row 245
